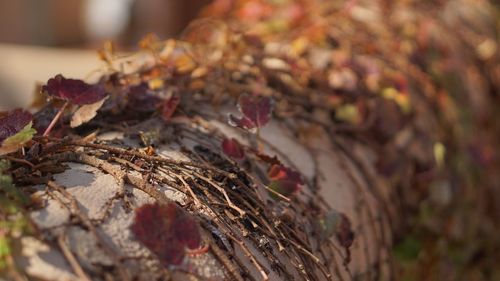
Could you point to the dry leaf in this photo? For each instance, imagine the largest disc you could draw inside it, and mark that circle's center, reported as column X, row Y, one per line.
column 85, row 113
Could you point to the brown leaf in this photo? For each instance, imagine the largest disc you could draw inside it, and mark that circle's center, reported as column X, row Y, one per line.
column 86, row 113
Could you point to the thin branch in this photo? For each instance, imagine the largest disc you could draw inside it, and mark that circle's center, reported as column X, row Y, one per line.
column 77, row 268
column 223, row 259
column 252, row 258
column 223, row 191
column 88, row 223
column 55, row 119
column 193, row 195
column 112, row 170
column 19, row 160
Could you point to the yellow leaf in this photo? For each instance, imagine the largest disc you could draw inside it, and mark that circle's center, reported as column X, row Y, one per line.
column 155, row 84
column 439, row 153
column 401, row 99
column 298, row 46
column 184, row 63
column 348, row 113
column 199, row 72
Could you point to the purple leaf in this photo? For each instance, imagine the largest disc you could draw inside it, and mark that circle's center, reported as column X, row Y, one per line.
column 233, row 148
column 172, row 253
column 242, row 122
column 166, row 229
column 186, row 230
column 74, row 90
column 13, row 122
column 256, row 112
column 141, row 99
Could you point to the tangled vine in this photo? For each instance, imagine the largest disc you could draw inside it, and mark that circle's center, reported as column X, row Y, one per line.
column 392, row 85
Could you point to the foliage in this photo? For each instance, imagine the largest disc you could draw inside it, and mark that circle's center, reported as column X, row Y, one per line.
column 166, row 230
column 284, row 180
column 256, row 112
column 389, row 70
column 15, row 130
column 408, row 249
column 73, row 90
column 233, row 148
column 13, row 222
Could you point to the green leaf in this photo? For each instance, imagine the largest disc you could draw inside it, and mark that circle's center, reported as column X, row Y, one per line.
column 13, row 143
column 408, row 250
column 328, row 223
column 439, row 154
column 4, row 250
column 25, row 135
column 11, row 198
column 4, row 165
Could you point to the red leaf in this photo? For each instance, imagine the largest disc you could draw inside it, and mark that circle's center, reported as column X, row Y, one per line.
column 169, row 107
column 256, row 112
column 172, row 254
column 74, row 90
column 284, row 187
column 344, row 232
column 284, row 180
column 266, row 158
column 280, row 172
column 254, row 11
column 242, row 122
column 165, row 229
column 186, row 230
column 257, row 109
column 12, row 122
column 276, row 172
column 233, row 148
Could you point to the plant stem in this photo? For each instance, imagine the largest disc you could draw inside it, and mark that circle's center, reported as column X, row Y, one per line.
column 56, row 118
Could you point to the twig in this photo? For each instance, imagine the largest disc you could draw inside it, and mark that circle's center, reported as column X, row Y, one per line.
column 195, row 198
column 223, row 191
column 311, row 255
column 247, row 252
column 110, row 169
column 55, row 119
column 71, row 259
column 88, row 223
column 226, row 262
column 158, row 159
column 22, row 161
column 279, row 195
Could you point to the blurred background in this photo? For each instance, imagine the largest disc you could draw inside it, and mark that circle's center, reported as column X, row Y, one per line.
column 84, row 23
column 41, row 38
